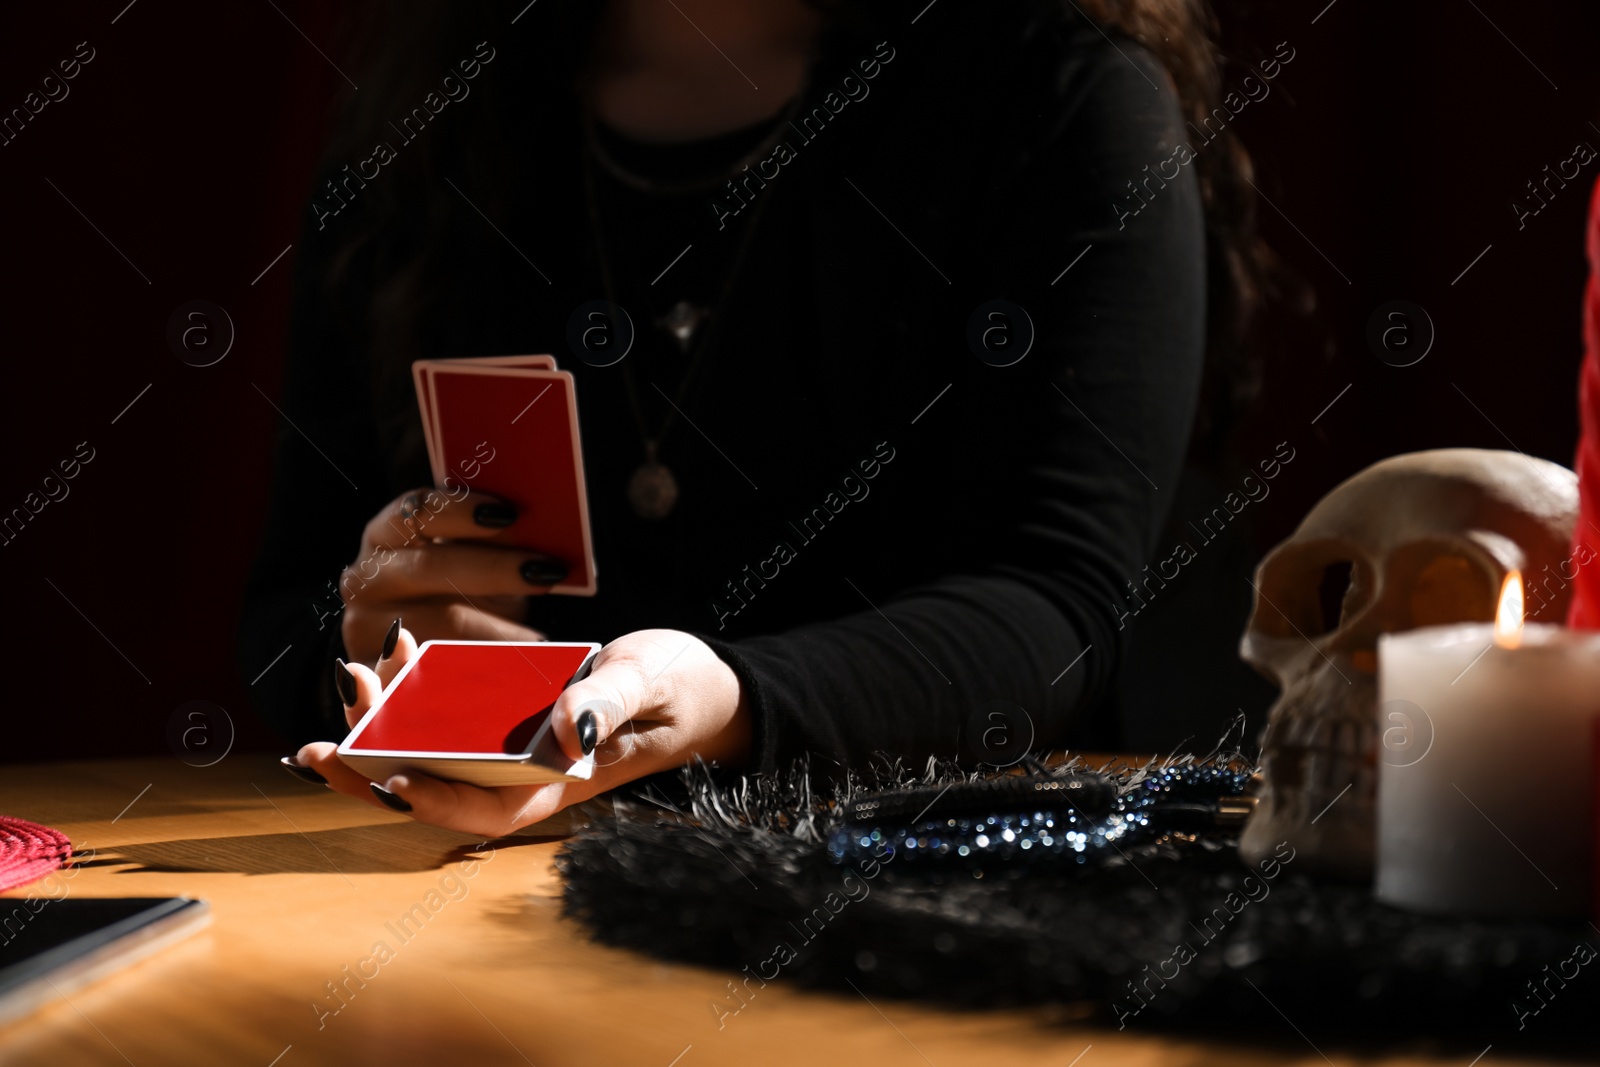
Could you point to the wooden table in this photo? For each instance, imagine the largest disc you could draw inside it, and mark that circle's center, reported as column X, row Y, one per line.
column 303, row 882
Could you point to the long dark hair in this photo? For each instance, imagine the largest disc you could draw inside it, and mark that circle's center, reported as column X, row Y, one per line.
column 402, row 50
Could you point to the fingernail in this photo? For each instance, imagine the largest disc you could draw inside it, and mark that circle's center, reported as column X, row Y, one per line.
column 291, row 765
column 588, row 732
column 494, row 514
column 410, row 506
column 543, row 571
column 389, row 640
column 393, row 800
column 344, row 682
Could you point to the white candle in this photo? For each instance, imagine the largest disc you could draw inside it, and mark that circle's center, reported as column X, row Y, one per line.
column 1485, row 802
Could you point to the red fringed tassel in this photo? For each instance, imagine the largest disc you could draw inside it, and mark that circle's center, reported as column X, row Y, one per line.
column 1585, row 610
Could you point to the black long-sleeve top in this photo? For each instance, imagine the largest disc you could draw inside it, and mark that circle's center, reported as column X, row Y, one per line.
column 886, row 536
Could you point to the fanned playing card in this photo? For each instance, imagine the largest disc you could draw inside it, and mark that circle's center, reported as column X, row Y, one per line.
column 420, row 376
column 509, row 427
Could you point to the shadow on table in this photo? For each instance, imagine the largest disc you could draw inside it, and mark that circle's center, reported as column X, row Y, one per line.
column 381, row 848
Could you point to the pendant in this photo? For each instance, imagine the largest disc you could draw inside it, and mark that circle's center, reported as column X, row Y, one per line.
column 682, row 322
column 652, row 490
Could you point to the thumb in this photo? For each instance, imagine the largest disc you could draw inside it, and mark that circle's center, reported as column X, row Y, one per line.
column 591, row 710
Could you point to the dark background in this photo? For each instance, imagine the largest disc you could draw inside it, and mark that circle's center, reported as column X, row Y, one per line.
column 1390, row 148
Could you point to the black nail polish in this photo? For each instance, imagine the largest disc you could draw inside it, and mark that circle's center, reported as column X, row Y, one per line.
column 494, row 514
column 543, row 571
column 344, row 682
column 389, row 639
column 303, row 773
column 393, row 800
column 588, row 732
column 410, row 505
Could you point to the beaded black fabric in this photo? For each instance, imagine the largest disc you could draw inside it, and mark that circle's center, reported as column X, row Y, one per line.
column 1038, row 819
column 1153, row 923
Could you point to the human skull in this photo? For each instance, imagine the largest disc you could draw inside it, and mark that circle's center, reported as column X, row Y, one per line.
column 1427, row 538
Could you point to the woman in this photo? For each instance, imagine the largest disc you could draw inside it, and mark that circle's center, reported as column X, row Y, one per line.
column 921, row 304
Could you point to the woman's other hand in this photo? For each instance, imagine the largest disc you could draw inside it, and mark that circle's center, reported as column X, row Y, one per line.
column 432, row 558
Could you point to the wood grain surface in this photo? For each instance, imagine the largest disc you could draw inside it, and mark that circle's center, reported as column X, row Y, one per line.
column 480, row 968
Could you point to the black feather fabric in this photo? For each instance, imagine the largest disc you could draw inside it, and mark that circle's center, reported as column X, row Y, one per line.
column 1170, row 932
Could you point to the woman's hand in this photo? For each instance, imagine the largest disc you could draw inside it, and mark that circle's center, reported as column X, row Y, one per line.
column 431, row 558
column 654, row 700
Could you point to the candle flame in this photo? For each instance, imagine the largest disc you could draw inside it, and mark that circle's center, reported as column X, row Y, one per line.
column 1508, row 616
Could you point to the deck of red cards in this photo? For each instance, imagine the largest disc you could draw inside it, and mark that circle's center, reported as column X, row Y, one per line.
column 473, row 711
column 508, row 426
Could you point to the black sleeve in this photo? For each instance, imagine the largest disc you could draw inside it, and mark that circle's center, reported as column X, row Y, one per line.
column 328, row 480
column 1102, row 419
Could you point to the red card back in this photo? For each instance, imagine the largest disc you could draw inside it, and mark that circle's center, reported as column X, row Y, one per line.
column 480, row 698
column 514, row 433
column 421, row 371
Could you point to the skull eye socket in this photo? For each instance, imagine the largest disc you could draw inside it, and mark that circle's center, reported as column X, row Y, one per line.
column 1445, row 589
column 1307, row 590
column 1331, row 591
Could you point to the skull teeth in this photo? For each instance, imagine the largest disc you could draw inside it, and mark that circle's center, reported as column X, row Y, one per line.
column 1320, row 736
column 1350, row 739
column 1344, row 737
column 1315, row 762
column 1318, row 762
